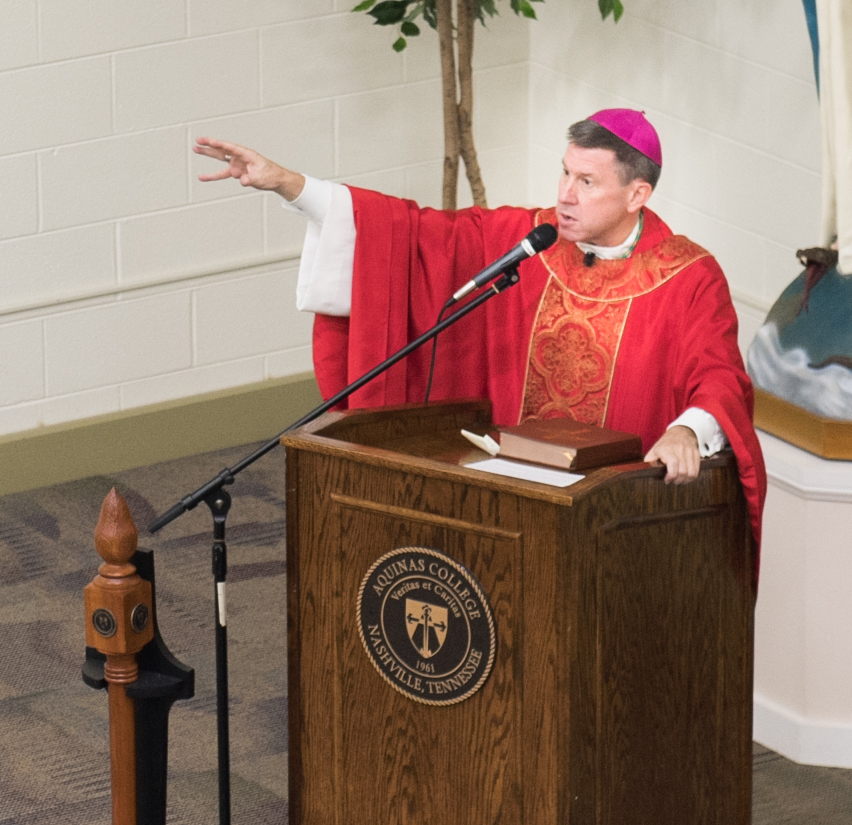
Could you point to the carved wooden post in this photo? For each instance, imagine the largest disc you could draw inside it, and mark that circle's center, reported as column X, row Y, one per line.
column 118, row 624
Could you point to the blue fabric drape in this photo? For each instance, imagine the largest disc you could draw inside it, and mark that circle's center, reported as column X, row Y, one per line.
column 811, row 17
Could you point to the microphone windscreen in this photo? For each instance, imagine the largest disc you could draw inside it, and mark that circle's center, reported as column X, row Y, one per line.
column 542, row 237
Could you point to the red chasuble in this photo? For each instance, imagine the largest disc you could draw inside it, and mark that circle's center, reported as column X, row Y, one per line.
column 629, row 343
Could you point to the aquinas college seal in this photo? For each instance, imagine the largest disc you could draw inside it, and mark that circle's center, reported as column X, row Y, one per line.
column 426, row 625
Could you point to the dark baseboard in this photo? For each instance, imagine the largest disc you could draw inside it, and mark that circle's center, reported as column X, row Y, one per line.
column 135, row 438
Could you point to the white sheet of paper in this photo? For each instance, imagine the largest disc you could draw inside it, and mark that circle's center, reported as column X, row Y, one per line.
column 527, row 472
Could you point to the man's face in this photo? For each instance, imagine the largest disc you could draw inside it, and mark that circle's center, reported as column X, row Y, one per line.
column 594, row 206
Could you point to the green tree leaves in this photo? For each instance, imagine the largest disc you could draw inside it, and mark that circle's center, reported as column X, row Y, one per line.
column 614, row 7
column 522, row 7
column 388, row 12
column 393, row 12
column 404, row 12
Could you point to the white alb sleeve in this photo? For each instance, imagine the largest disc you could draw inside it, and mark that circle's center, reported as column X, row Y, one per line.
column 328, row 253
column 711, row 437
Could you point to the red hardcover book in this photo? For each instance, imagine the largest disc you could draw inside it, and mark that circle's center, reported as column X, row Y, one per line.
column 568, row 444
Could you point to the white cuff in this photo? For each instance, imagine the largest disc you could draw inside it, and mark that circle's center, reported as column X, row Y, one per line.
column 711, row 437
column 328, row 254
column 313, row 201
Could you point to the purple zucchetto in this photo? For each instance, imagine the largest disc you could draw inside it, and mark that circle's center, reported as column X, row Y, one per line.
column 633, row 128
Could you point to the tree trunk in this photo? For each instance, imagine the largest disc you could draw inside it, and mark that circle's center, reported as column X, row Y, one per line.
column 444, row 16
column 466, row 20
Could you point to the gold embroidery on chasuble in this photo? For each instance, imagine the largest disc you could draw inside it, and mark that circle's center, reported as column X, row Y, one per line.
column 580, row 323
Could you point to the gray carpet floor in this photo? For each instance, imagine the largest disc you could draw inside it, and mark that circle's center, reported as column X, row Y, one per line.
column 54, row 758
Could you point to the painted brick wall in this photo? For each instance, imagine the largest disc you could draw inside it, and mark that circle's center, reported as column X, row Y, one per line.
column 123, row 280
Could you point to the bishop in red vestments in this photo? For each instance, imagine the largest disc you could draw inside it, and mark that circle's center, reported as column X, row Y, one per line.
column 630, row 342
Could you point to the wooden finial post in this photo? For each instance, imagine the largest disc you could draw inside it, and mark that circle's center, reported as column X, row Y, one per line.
column 118, row 624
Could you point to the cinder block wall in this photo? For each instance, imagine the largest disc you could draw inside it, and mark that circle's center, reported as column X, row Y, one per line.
column 126, row 282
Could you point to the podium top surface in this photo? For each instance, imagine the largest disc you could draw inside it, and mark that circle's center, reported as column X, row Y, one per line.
column 428, row 440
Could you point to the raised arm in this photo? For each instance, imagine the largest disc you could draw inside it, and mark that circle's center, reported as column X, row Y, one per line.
column 249, row 167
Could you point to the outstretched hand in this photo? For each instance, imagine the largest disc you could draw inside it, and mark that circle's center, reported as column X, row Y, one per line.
column 678, row 450
column 249, row 167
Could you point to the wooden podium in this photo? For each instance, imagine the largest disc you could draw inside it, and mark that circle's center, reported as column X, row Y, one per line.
column 621, row 688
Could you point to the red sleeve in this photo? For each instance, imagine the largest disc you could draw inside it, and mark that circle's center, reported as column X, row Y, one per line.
column 680, row 350
column 716, row 381
column 408, row 262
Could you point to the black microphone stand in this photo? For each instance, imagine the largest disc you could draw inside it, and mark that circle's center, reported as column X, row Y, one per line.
column 219, row 502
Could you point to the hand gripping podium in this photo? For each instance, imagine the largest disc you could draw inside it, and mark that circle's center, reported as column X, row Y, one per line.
column 621, row 609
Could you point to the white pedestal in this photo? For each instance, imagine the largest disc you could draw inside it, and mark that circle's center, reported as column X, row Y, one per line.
column 803, row 633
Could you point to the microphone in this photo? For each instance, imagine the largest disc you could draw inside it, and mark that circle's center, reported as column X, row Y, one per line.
column 538, row 240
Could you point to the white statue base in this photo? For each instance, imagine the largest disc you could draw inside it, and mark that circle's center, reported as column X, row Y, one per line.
column 803, row 632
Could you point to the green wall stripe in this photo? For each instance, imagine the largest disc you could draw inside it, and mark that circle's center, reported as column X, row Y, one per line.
column 147, row 435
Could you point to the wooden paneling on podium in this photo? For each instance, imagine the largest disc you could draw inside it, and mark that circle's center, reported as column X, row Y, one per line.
column 621, row 686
